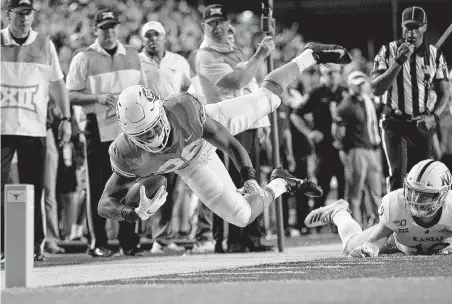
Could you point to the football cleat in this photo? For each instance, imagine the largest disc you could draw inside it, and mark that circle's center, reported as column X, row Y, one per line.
column 329, row 53
column 308, row 187
column 324, row 215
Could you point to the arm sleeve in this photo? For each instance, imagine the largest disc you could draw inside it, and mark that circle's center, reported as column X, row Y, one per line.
column 381, row 60
column 118, row 163
column 76, row 78
column 384, row 211
column 212, row 68
column 56, row 72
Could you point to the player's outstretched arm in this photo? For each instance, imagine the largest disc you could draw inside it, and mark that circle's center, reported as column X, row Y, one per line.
column 115, row 190
column 380, row 235
column 376, row 241
column 216, row 134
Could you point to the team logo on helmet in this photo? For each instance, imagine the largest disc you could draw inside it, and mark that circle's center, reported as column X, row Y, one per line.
column 446, row 178
column 150, row 95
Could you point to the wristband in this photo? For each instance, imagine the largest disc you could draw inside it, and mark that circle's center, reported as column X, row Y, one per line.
column 69, row 119
column 129, row 215
column 248, row 173
column 400, row 61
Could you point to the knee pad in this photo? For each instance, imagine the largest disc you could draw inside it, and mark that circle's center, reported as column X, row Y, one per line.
column 242, row 217
column 232, row 207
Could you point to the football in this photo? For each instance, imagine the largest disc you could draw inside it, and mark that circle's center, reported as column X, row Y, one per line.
column 150, row 183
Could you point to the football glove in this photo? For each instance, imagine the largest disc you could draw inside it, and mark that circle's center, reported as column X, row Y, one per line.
column 148, row 207
column 365, row 250
column 446, row 251
column 250, row 187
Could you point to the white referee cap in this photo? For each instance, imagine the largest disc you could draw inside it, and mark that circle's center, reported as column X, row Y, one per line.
column 153, row 25
column 356, row 78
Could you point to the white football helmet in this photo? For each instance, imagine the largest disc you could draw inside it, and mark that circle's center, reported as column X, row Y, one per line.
column 141, row 115
column 426, row 187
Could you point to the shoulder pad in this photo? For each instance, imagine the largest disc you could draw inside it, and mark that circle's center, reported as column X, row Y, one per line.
column 120, row 150
column 390, row 206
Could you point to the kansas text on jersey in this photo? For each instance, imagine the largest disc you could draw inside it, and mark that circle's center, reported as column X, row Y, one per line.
column 409, row 237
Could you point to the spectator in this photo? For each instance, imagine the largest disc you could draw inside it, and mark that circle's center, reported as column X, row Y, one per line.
column 50, row 181
column 224, row 73
column 356, row 127
column 166, row 73
column 319, row 103
column 97, row 75
column 286, row 152
column 445, row 129
column 302, row 150
column 23, row 130
column 403, row 73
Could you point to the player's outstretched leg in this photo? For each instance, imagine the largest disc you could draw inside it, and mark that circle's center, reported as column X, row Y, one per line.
column 240, row 113
column 337, row 213
column 324, row 215
column 281, row 182
column 278, row 80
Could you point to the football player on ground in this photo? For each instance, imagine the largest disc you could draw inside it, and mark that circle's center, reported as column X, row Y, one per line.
column 414, row 220
column 180, row 134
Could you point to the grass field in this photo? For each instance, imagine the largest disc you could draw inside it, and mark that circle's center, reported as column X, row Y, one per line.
column 310, row 270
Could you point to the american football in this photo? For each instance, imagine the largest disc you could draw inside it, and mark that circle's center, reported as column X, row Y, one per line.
column 152, row 185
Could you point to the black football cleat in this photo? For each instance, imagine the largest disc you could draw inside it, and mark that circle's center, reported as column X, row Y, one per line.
column 329, row 53
column 308, row 187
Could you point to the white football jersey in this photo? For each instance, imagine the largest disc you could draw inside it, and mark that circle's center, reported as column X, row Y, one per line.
column 409, row 237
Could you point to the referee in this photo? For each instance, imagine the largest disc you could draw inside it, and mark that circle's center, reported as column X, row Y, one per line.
column 404, row 72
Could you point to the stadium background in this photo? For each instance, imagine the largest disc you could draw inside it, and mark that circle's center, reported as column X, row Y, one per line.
column 363, row 24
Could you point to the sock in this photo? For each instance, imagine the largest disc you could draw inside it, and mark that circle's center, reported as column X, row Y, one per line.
column 346, row 225
column 277, row 187
column 305, row 60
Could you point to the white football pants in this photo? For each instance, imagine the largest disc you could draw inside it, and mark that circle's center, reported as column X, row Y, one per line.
column 207, row 176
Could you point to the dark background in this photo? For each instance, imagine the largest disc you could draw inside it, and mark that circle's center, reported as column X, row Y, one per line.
column 352, row 23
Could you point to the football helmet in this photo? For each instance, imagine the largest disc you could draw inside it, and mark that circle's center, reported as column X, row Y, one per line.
column 425, row 188
column 141, row 115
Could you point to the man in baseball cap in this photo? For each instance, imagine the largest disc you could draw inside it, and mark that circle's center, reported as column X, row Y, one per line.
column 104, row 17
column 153, row 25
column 214, row 12
column 414, row 15
column 19, row 5
column 414, row 25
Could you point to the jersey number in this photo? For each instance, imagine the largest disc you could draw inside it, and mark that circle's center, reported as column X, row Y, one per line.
column 187, row 154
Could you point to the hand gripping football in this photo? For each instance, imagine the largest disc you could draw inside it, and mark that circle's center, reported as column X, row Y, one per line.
column 150, row 183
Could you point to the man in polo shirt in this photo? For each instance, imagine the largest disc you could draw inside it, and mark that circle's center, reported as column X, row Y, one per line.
column 97, row 74
column 166, row 73
column 404, row 72
column 356, row 127
column 29, row 72
column 224, row 73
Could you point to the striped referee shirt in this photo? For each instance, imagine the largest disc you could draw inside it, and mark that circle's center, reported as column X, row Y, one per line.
column 410, row 90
